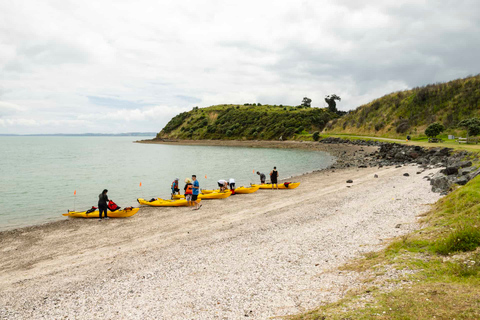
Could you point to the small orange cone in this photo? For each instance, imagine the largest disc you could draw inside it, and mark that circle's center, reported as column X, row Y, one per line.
column 140, row 184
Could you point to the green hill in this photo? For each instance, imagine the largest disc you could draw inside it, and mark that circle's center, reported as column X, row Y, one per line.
column 410, row 112
column 249, row 121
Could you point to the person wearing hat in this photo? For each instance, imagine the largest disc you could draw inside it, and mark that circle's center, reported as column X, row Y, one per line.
column 102, row 204
column 188, row 191
column 175, row 187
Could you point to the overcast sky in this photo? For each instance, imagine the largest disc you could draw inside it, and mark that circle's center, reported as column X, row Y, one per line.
column 121, row 66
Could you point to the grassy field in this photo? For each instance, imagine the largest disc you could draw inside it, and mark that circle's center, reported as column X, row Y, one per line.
column 440, row 264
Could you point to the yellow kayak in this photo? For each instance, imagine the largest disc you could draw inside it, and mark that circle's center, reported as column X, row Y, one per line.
column 292, row 185
column 205, row 196
column 239, row 190
column 124, row 213
column 164, row 203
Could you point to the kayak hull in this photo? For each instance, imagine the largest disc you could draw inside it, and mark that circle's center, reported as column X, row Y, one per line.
column 164, row 203
column 111, row 214
column 208, row 196
column 292, row 185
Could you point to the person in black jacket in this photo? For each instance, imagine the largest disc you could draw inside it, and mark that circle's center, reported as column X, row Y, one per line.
column 274, row 177
column 102, row 204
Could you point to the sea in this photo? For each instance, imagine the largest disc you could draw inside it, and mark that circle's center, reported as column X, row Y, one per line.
column 42, row 177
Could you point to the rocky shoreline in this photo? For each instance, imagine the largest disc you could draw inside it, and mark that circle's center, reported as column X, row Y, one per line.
column 456, row 170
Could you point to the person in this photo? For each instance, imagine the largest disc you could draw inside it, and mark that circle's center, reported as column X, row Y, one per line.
column 231, row 183
column 274, row 177
column 262, row 177
column 102, row 204
column 175, row 187
column 223, row 184
column 195, row 192
column 188, row 191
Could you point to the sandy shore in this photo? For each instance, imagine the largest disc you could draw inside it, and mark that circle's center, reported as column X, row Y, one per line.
column 262, row 255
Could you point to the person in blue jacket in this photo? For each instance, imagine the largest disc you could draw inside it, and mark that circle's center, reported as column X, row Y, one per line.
column 195, row 192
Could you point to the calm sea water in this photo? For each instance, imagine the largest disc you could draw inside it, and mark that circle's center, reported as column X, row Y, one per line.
column 40, row 174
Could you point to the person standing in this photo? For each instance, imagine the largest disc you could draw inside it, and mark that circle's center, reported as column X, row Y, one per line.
column 103, row 204
column 195, row 192
column 274, row 177
column 188, row 191
column 262, row 177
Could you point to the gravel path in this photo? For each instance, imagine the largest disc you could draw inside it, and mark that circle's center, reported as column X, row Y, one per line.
column 256, row 256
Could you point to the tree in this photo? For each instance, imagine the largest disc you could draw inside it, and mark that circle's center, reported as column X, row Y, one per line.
column 307, row 102
column 316, row 135
column 332, row 105
column 472, row 125
column 434, row 130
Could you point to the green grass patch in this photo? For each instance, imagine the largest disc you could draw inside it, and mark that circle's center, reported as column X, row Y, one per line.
column 465, row 238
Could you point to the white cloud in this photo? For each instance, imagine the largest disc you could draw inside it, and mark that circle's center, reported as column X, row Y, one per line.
column 141, row 62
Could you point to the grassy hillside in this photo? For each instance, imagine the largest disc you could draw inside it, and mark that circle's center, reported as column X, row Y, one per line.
column 410, row 112
column 246, row 122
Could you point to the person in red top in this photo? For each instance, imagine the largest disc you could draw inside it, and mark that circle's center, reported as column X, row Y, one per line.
column 188, row 191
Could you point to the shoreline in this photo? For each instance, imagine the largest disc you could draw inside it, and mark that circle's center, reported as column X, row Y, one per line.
column 177, row 263
column 341, row 152
column 336, row 150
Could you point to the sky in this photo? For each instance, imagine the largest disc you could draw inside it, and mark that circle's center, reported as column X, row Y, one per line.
column 126, row 66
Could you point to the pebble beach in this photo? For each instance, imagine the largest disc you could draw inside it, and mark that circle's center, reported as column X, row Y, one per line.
column 259, row 256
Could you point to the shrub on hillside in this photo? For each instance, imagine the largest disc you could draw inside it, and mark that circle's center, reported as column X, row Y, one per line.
column 434, row 130
column 316, row 135
column 379, row 125
column 402, row 126
column 472, row 125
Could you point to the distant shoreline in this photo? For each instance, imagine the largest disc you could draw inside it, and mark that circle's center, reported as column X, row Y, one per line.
column 126, row 134
column 337, row 150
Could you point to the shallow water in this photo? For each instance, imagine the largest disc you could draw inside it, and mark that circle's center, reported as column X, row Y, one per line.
column 40, row 174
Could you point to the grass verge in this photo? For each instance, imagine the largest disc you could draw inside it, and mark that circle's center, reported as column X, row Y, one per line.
column 437, row 268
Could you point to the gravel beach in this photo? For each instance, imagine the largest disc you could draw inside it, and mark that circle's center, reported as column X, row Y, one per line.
column 258, row 256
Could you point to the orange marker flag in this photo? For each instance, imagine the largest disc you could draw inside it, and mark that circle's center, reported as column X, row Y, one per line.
column 205, row 176
column 75, row 192
column 253, row 170
column 140, row 184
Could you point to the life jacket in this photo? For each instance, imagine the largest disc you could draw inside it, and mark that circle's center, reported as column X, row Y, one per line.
column 286, row 184
column 112, row 206
column 189, row 189
column 174, row 185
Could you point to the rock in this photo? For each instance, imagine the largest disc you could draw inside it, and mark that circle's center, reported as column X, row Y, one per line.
column 406, row 174
column 419, row 172
column 398, row 226
column 399, row 166
column 440, row 183
column 349, row 181
column 474, row 174
column 462, row 180
column 375, row 176
column 449, row 171
column 462, row 164
column 466, row 171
